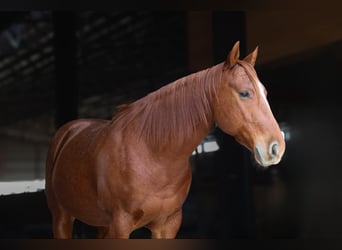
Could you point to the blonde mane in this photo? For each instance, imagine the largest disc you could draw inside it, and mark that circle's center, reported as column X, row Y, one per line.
column 172, row 113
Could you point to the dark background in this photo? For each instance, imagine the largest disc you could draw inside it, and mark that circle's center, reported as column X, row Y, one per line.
column 58, row 66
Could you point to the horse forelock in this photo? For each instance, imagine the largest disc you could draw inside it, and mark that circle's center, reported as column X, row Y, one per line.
column 171, row 114
column 251, row 73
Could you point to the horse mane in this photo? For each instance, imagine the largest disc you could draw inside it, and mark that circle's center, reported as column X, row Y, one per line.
column 172, row 113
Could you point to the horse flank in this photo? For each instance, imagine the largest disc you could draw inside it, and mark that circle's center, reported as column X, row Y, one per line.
column 171, row 114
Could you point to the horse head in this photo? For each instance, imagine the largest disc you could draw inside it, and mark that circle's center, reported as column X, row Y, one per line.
column 241, row 109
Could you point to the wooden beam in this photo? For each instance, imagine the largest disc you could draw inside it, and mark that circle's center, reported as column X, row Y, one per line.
column 200, row 40
column 237, row 215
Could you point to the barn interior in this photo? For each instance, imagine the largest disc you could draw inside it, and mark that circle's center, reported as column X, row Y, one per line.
column 57, row 66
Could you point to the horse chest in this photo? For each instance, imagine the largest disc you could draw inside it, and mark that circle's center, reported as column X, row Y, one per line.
column 142, row 187
column 146, row 199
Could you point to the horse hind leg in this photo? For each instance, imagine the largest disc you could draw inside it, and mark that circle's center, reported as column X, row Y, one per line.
column 62, row 224
column 102, row 232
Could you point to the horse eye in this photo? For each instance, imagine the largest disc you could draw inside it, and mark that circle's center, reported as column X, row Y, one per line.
column 244, row 94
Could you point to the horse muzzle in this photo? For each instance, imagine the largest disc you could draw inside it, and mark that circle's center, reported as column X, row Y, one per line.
column 270, row 154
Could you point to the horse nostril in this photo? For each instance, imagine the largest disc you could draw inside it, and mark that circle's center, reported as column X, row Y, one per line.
column 274, row 147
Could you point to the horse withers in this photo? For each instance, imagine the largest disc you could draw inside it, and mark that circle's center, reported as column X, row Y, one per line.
column 133, row 171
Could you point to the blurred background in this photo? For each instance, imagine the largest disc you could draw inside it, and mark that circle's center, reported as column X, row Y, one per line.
column 56, row 66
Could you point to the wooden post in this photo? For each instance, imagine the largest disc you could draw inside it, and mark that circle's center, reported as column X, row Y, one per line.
column 236, row 215
column 66, row 87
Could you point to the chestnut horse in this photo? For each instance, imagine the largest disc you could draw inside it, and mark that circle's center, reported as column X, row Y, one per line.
column 133, row 171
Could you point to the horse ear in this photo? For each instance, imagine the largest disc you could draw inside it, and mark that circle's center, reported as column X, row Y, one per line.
column 251, row 58
column 233, row 56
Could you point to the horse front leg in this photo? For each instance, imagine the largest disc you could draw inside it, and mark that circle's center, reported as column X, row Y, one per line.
column 116, row 232
column 119, row 229
column 167, row 229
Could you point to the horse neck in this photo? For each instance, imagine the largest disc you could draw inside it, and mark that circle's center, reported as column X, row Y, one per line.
column 176, row 117
column 193, row 141
column 185, row 109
